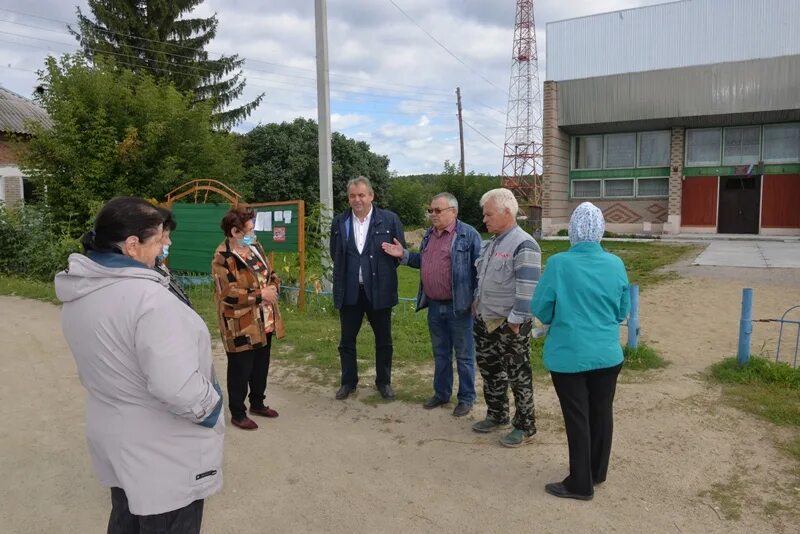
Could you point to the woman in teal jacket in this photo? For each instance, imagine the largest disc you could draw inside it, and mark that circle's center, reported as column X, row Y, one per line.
column 583, row 297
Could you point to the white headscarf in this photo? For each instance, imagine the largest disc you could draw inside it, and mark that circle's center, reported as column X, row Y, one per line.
column 586, row 224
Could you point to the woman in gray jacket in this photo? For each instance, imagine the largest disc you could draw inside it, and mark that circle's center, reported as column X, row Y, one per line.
column 153, row 403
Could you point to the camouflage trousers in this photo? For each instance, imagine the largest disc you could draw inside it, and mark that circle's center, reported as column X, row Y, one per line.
column 504, row 359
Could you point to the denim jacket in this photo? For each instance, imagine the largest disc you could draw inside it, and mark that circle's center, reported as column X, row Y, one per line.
column 464, row 251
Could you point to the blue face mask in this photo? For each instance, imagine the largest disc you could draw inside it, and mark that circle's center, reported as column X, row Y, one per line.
column 164, row 253
column 248, row 239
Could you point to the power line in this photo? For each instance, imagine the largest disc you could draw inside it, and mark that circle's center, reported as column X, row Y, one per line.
column 471, row 127
column 432, row 93
column 179, row 46
column 435, row 40
column 170, row 66
column 427, row 112
column 361, row 95
column 400, row 93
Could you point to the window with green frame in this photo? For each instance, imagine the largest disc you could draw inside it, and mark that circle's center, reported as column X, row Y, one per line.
column 620, row 188
column 628, row 150
column 743, row 145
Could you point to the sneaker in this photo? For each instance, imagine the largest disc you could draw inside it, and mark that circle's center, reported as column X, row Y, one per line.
column 462, row 409
column 487, row 425
column 516, row 438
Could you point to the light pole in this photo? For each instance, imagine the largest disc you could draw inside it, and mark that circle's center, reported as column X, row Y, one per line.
column 324, row 124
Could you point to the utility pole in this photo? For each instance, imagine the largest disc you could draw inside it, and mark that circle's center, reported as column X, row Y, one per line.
column 324, row 124
column 460, row 129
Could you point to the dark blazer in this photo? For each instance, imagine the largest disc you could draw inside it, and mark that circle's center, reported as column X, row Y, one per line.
column 384, row 227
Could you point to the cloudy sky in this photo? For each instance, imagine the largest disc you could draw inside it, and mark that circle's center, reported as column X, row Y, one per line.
column 392, row 85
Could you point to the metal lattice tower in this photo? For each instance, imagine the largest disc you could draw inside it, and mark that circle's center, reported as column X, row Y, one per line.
column 522, row 154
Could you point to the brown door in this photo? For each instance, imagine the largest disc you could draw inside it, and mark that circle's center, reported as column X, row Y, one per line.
column 739, row 204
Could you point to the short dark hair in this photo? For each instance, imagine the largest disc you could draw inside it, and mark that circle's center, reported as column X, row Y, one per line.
column 169, row 220
column 120, row 218
column 236, row 218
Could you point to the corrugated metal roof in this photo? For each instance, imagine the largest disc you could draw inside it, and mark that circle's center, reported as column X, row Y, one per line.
column 671, row 35
column 755, row 86
column 16, row 111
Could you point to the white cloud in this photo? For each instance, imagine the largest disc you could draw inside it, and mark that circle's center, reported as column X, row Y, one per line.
column 392, row 86
column 345, row 121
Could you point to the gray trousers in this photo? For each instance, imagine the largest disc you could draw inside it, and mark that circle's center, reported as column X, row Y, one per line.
column 184, row 520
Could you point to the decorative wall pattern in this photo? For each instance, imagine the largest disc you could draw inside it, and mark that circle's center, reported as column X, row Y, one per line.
column 620, row 213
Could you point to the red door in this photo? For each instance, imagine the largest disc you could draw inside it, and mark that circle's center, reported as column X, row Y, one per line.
column 699, row 201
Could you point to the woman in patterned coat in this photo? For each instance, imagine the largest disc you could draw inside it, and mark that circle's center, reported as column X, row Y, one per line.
column 246, row 294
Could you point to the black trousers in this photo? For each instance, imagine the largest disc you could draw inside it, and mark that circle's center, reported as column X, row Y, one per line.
column 248, row 368
column 587, row 404
column 184, row 520
column 350, row 318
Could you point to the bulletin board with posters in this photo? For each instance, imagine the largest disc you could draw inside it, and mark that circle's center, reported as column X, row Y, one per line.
column 280, row 226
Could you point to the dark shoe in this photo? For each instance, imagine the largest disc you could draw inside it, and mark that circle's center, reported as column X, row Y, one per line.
column 344, row 392
column 517, row 438
column 558, row 489
column 487, row 425
column 265, row 411
column 245, row 424
column 462, row 409
column 386, row 391
column 433, row 402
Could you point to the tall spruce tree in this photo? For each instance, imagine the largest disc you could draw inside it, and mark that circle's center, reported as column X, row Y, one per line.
column 158, row 37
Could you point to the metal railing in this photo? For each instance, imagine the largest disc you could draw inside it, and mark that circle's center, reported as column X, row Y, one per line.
column 746, row 330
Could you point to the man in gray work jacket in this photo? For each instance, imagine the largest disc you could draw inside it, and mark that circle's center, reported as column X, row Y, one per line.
column 508, row 270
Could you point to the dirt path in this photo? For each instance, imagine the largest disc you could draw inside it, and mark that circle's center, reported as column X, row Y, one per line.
column 681, row 460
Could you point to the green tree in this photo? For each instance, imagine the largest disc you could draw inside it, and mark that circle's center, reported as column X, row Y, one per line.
column 119, row 133
column 281, row 163
column 468, row 190
column 408, row 199
column 160, row 38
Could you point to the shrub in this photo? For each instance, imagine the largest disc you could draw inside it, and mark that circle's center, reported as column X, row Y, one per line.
column 31, row 245
column 408, row 200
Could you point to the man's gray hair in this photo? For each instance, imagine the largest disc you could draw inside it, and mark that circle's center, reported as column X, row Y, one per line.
column 503, row 199
column 361, row 180
column 451, row 200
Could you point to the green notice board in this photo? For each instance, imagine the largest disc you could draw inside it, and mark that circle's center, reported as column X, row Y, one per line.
column 278, row 227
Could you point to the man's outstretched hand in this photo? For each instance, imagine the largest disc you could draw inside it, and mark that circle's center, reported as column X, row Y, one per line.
column 393, row 249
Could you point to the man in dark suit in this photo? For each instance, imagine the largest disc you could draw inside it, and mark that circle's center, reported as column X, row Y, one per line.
column 364, row 282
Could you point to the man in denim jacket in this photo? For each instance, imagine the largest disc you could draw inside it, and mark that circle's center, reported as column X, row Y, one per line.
column 448, row 280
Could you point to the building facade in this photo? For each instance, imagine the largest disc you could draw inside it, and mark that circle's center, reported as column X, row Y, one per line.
column 16, row 114
column 676, row 118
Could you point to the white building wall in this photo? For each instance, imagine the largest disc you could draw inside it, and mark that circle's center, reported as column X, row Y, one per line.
column 672, row 35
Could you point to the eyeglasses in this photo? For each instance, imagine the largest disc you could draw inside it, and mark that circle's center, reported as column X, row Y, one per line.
column 437, row 211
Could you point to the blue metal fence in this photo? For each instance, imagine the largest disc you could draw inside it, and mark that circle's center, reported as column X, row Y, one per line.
column 746, row 329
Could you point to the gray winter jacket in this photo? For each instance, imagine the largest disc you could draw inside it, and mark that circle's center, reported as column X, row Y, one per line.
column 153, row 420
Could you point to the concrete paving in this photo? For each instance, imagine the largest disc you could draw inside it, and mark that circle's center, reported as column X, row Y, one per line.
column 764, row 254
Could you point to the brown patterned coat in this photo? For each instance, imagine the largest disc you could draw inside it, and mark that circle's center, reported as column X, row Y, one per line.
column 238, row 299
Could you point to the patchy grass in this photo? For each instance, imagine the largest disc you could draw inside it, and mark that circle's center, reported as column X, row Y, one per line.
column 728, row 497
column 642, row 357
column 762, row 387
column 16, row 286
column 313, row 336
column 767, row 389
